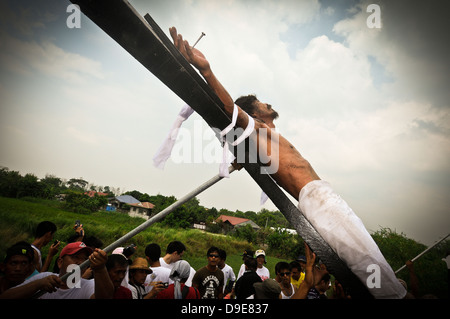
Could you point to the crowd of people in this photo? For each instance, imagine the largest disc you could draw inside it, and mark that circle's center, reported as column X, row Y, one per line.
column 123, row 275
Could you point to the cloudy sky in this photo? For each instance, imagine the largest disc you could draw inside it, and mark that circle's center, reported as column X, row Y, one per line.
column 368, row 107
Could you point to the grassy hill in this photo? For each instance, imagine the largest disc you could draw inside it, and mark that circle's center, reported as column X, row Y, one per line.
column 19, row 219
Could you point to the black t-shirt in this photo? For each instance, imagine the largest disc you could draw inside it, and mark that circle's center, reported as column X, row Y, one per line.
column 208, row 282
column 244, row 286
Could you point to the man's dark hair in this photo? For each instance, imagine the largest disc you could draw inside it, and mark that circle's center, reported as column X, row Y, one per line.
column 44, row 227
column 251, row 263
column 281, row 265
column 295, row 264
column 247, row 103
column 175, row 246
column 212, row 249
column 116, row 260
column 222, row 254
column 153, row 252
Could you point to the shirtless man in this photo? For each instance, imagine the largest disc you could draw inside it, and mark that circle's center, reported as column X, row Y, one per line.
column 329, row 214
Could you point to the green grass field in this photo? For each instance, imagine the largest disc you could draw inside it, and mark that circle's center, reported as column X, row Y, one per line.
column 19, row 219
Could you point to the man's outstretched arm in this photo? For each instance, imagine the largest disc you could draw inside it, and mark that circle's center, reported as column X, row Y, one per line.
column 198, row 60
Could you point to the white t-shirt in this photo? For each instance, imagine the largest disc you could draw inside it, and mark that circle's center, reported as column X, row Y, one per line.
column 228, row 273
column 263, row 272
column 86, row 290
column 39, row 255
column 241, row 271
column 159, row 274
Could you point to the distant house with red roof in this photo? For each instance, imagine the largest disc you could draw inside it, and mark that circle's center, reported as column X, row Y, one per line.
column 93, row 193
column 236, row 222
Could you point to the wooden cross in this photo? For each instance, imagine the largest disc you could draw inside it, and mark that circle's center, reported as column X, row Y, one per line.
column 148, row 44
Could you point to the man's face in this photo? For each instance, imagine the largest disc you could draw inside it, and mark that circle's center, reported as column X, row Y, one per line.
column 260, row 260
column 285, row 276
column 264, row 110
column 177, row 256
column 295, row 273
column 17, row 268
column 117, row 274
column 77, row 259
column 139, row 276
column 213, row 258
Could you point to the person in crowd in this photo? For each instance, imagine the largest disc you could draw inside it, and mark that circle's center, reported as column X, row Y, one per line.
column 44, row 235
column 209, row 280
column 319, row 289
column 178, row 289
column 138, row 272
column 16, row 266
column 248, row 253
column 80, row 236
column 174, row 252
column 301, row 259
column 297, row 275
column 262, row 270
column 159, row 273
column 229, row 276
column 308, row 283
column 117, row 266
column 283, row 277
column 268, row 289
column 244, row 285
column 76, row 287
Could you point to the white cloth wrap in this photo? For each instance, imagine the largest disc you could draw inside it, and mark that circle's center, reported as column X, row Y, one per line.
column 339, row 226
column 180, row 271
column 164, row 151
column 223, row 169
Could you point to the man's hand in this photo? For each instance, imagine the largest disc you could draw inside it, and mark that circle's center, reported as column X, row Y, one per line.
column 192, row 55
column 50, row 283
column 98, row 259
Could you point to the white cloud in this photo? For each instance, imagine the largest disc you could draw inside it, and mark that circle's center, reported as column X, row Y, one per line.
column 22, row 57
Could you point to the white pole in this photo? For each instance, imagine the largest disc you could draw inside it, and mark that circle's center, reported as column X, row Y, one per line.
column 423, row 252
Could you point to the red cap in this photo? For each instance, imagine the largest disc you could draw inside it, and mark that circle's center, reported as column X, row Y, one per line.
column 75, row 247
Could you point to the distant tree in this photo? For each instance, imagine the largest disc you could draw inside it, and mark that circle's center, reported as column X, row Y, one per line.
column 9, row 182
column 77, row 184
column 51, row 186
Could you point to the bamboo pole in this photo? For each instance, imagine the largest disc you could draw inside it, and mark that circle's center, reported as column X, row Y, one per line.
column 423, row 252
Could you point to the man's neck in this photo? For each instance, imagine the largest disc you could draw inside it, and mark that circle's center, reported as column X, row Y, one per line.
column 211, row 268
column 38, row 242
column 155, row 263
column 167, row 258
column 268, row 121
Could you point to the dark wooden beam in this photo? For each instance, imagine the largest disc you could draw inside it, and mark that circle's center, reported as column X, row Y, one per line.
column 147, row 43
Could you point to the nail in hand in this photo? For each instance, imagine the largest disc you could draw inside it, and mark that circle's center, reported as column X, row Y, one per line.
column 201, row 36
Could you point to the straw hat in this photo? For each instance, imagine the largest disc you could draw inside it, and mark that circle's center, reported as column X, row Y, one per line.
column 142, row 264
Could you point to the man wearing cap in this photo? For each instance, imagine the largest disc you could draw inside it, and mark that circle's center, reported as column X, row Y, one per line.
column 76, row 287
column 16, row 266
column 138, row 272
column 268, row 289
column 261, row 270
